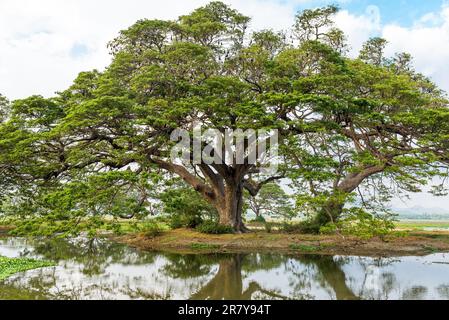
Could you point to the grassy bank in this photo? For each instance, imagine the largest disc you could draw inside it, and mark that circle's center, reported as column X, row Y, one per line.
column 410, row 238
column 9, row 266
column 422, row 225
column 189, row 241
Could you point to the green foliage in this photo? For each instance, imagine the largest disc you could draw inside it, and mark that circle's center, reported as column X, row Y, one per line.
column 373, row 51
column 181, row 221
column 359, row 223
column 185, row 207
column 102, row 147
column 212, row 227
column 4, row 108
column 268, row 227
column 260, row 219
column 272, row 201
column 303, row 227
column 9, row 267
column 152, row 229
column 289, row 227
column 311, row 24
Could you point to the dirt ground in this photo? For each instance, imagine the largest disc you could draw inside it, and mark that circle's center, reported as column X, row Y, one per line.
column 189, row 241
column 4, row 231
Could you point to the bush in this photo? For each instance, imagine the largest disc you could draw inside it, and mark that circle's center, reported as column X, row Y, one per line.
column 305, row 227
column 361, row 224
column 260, row 219
column 211, row 227
column 116, row 228
column 176, row 222
column 185, row 207
column 152, row 230
column 182, row 221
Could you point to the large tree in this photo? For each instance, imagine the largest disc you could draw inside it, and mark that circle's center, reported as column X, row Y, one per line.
column 339, row 119
column 368, row 133
column 374, row 140
column 165, row 75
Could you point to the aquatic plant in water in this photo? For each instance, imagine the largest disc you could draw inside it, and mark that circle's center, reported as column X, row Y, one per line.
column 11, row 266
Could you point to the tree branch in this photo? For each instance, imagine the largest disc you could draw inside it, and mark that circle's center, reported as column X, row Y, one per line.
column 196, row 183
column 254, row 189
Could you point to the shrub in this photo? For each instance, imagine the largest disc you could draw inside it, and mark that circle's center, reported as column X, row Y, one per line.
column 183, row 221
column 305, row 227
column 185, row 207
column 116, row 228
column 152, row 230
column 211, row 227
column 176, row 222
column 362, row 224
column 260, row 219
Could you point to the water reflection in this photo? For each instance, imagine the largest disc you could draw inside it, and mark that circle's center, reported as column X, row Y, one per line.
column 99, row 269
column 228, row 283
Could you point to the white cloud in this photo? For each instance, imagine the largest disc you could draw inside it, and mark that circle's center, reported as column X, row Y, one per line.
column 428, row 42
column 44, row 44
column 37, row 38
column 358, row 28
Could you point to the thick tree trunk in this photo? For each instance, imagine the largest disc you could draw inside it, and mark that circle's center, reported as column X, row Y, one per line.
column 227, row 283
column 333, row 209
column 331, row 271
column 224, row 189
column 230, row 208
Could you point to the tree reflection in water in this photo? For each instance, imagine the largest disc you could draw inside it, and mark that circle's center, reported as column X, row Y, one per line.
column 227, row 284
column 100, row 269
column 328, row 272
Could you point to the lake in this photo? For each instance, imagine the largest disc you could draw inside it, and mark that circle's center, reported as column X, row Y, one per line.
column 100, row 269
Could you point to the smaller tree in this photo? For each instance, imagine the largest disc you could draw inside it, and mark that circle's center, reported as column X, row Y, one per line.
column 273, row 201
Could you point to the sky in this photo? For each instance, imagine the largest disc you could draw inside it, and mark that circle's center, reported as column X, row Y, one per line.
column 44, row 44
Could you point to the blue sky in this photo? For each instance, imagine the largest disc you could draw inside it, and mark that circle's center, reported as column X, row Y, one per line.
column 403, row 12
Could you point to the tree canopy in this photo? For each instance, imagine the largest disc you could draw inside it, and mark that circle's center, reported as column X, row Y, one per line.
column 371, row 125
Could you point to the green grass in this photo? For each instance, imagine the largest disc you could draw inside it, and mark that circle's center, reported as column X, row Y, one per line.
column 419, row 225
column 9, row 267
column 431, row 249
column 204, row 246
column 304, row 248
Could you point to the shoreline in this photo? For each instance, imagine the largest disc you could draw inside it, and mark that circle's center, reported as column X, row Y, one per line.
column 185, row 241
